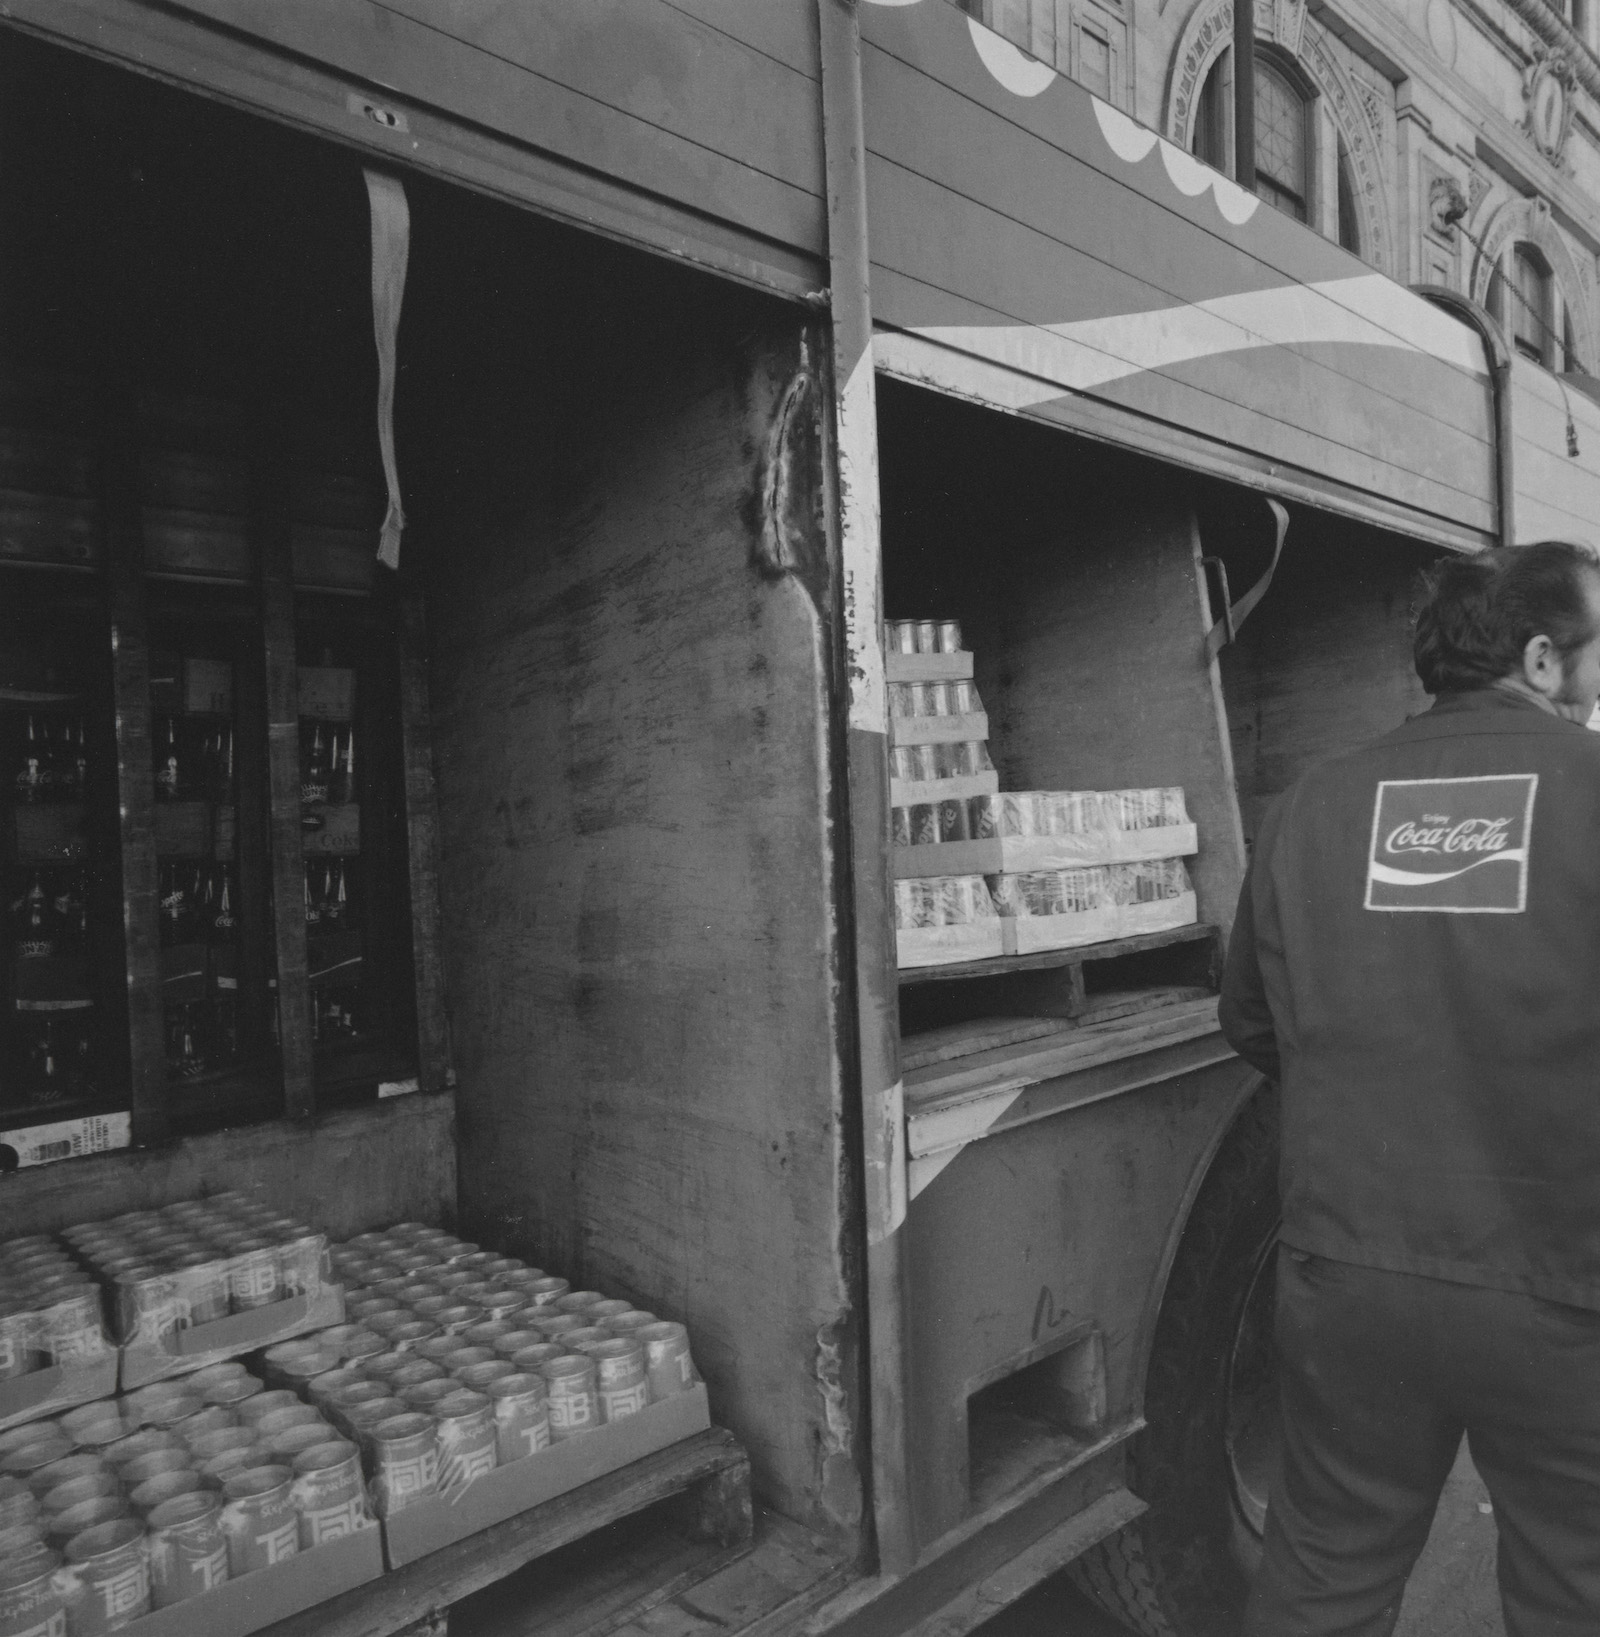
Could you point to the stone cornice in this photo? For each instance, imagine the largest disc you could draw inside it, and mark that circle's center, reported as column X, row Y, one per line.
column 1559, row 35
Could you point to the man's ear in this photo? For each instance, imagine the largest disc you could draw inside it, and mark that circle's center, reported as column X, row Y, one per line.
column 1541, row 666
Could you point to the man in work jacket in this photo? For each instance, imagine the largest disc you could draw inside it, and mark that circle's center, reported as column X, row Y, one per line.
column 1416, row 962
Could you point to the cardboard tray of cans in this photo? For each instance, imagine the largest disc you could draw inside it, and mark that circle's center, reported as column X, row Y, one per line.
column 247, row 1604
column 511, row 1388
column 1019, row 832
column 54, row 1351
column 944, row 921
column 1063, row 909
column 429, row 1524
column 203, row 1281
column 167, row 1513
column 57, row 1387
column 955, row 666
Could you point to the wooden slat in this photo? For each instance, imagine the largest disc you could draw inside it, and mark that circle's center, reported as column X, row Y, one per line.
column 1293, row 402
column 282, row 693
column 716, row 92
column 1053, row 1551
column 306, row 94
column 651, row 62
column 429, row 1586
column 252, row 852
column 1044, row 958
column 783, row 29
column 422, row 847
column 922, row 364
column 130, row 680
column 1018, row 204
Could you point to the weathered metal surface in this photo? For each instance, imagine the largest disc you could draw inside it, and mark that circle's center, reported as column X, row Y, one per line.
column 389, row 1162
column 1034, row 247
column 695, row 129
column 629, row 672
column 1037, row 1230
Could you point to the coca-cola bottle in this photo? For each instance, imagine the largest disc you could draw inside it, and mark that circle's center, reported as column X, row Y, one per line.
column 36, row 938
column 177, row 906
column 224, row 925
column 71, row 913
column 29, row 781
column 66, row 761
column 169, row 771
column 344, row 767
column 314, row 771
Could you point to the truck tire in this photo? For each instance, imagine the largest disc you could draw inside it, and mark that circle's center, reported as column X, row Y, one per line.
column 1183, row 1568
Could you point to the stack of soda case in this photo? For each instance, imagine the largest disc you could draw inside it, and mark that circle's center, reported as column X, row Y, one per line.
column 939, row 764
column 208, row 1507
column 54, row 1351
column 201, row 1281
column 988, row 873
column 478, row 1386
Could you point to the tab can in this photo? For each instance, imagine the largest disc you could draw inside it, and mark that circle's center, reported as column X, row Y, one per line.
column 258, row 1518
column 424, row 1395
column 466, row 1437
column 165, row 1486
column 188, row 1550
column 65, row 1526
column 33, row 1601
column 255, row 1277
column 360, row 1419
column 329, row 1496
column 512, row 1342
column 570, row 1393
column 113, row 1575
column 203, row 1282
column 620, row 1377
column 521, row 1418
column 667, row 1362
column 287, row 1442
column 624, row 1324
column 405, row 1461
column 547, row 1290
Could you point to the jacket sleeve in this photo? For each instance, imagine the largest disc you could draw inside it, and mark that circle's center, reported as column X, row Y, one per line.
column 1243, row 1012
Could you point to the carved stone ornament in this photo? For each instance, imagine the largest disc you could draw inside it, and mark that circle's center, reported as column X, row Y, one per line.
column 1549, row 84
column 1447, row 204
column 1207, row 33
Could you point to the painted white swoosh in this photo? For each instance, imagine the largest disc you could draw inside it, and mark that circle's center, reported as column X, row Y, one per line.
column 1091, row 352
column 1019, row 73
column 1417, row 878
column 1126, row 138
column 1130, row 142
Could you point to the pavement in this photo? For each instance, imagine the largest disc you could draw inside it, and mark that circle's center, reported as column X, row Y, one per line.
column 1451, row 1593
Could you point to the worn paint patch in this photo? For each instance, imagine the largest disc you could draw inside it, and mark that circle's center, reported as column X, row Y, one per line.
column 886, row 1163
column 861, row 547
column 839, row 1483
column 778, row 543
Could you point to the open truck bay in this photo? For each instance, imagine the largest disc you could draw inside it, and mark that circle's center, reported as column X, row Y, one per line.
column 730, row 332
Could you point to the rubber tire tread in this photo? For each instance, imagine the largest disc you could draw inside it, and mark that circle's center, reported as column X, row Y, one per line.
column 1172, row 1572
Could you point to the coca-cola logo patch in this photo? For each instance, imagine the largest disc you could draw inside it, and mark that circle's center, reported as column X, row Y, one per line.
column 1456, row 846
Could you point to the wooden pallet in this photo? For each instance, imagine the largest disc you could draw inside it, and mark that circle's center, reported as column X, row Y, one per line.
column 705, row 1478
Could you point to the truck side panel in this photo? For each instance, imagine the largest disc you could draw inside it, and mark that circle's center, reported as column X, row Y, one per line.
column 630, row 633
column 1034, row 231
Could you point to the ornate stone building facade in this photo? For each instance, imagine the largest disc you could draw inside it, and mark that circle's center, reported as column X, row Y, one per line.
column 1447, row 141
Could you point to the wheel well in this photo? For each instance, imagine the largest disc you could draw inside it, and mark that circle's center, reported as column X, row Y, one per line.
column 1252, row 1118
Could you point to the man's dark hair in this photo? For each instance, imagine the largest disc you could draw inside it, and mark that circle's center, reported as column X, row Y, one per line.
column 1478, row 614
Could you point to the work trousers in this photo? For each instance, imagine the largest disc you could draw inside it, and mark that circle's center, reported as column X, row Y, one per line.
column 1380, row 1374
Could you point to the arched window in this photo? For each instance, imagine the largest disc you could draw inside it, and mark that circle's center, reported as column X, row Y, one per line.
column 1211, row 117
column 1283, row 151
column 1531, row 308
column 1349, row 220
